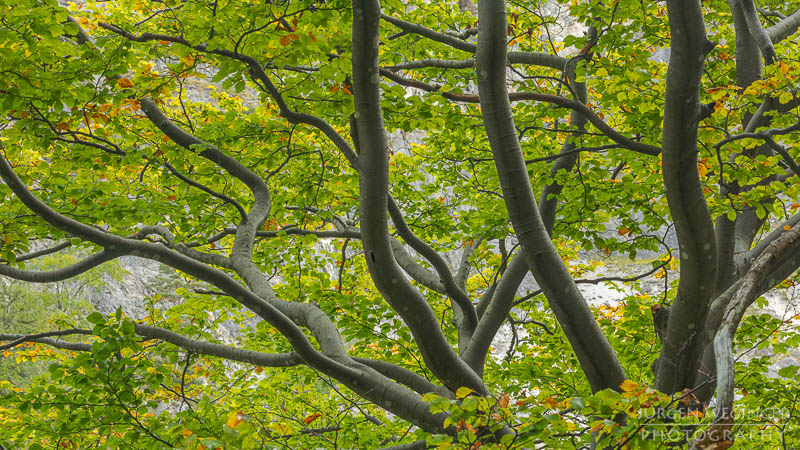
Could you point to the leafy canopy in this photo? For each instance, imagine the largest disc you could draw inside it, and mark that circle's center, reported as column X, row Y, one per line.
column 239, row 143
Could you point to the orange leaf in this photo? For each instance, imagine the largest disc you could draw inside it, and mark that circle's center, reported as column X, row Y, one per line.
column 285, row 40
column 187, row 432
column 311, row 418
column 172, row 198
column 259, row 369
column 294, row 37
column 124, row 83
column 503, row 401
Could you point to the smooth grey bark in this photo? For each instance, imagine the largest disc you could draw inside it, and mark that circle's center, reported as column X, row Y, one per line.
column 439, row 356
column 503, row 294
column 677, row 363
column 597, row 358
column 730, row 234
column 734, row 238
column 784, row 28
column 64, row 273
column 743, row 294
column 465, row 316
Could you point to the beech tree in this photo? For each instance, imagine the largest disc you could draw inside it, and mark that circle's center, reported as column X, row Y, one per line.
column 360, row 190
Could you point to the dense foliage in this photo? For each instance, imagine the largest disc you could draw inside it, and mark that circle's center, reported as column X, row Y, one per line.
column 359, row 192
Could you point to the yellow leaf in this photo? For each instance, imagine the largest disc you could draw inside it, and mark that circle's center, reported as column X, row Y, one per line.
column 628, row 385
column 702, row 169
column 463, row 391
column 188, row 60
column 124, row 83
column 234, row 419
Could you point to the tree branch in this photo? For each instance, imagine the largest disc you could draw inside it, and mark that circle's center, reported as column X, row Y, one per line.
column 597, row 358
column 677, row 364
column 51, row 276
column 784, row 28
column 373, row 205
column 563, row 102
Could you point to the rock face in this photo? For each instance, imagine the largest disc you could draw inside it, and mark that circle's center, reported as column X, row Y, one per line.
column 141, row 278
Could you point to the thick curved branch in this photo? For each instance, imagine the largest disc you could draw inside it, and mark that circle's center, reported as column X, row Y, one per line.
column 745, row 291
column 466, row 317
column 245, row 234
column 422, row 275
column 597, row 358
column 397, row 373
column 437, row 63
column 430, row 34
column 373, row 205
column 464, row 266
column 680, row 354
column 405, row 377
column 17, row 339
column 758, row 32
column 51, row 276
column 784, row 28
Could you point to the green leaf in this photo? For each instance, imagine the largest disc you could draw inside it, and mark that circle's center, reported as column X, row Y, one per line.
column 96, row 318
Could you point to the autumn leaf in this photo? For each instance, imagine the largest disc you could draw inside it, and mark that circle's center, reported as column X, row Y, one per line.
column 503, row 401
column 187, row 432
column 285, row 40
column 311, row 417
column 234, row 419
column 628, row 386
column 702, row 169
column 124, row 83
column 463, row 391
